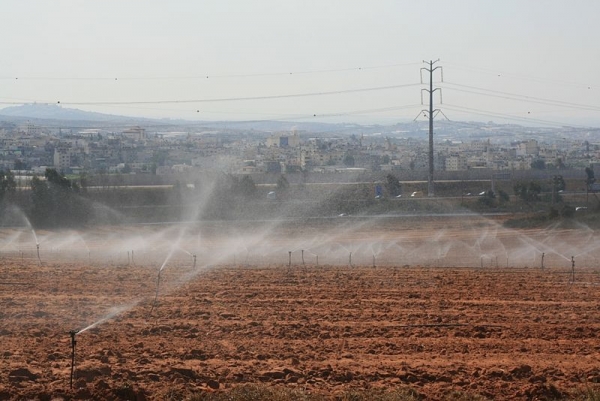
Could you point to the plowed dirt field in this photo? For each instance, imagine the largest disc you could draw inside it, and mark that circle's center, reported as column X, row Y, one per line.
column 503, row 333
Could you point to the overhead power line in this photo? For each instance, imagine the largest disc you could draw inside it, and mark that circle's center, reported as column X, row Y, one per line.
column 209, row 76
column 523, row 77
column 512, row 117
column 513, row 96
column 230, row 99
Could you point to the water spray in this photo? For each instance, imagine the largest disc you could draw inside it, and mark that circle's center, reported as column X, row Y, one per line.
column 72, row 333
column 158, row 279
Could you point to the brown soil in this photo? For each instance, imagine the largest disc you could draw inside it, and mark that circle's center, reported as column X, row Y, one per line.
column 500, row 333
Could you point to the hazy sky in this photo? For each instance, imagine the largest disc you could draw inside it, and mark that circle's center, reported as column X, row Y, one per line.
column 72, row 51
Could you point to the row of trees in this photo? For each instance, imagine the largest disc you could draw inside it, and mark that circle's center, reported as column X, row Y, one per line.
column 53, row 202
column 57, row 201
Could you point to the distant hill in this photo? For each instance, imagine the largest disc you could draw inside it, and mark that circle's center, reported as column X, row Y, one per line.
column 50, row 114
column 56, row 112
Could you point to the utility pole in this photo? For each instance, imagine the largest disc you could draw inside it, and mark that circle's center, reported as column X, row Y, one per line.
column 431, row 69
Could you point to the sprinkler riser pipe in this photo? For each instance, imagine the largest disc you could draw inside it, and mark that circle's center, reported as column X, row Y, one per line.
column 72, row 333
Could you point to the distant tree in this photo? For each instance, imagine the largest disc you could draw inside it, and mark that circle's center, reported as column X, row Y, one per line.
column 8, row 185
column 590, row 177
column 538, row 164
column 126, row 169
column 559, row 182
column 503, row 197
column 488, row 199
column 57, row 179
column 20, row 165
column 83, row 180
column 392, row 185
column 558, row 185
column 528, row 192
column 42, row 205
column 567, row 211
column 349, row 160
column 160, row 157
column 559, row 163
column 57, row 202
column 246, row 187
column 385, row 159
column 282, row 183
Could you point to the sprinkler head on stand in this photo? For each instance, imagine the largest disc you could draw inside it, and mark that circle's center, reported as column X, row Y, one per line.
column 194, row 256
column 72, row 333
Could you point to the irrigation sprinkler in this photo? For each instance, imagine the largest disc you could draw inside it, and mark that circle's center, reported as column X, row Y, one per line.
column 37, row 246
column 128, row 259
column 132, row 260
column 72, row 333
column 572, row 269
column 194, row 256
column 317, row 259
column 156, row 294
column 350, row 259
column 543, row 254
column 303, row 257
column 373, row 260
column 289, row 259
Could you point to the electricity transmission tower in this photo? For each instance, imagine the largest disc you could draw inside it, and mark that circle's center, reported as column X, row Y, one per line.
column 430, row 113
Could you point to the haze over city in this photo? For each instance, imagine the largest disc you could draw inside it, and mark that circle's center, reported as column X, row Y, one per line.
column 532, row 63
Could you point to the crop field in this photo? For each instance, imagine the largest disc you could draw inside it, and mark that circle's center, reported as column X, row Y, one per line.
column 157, row 322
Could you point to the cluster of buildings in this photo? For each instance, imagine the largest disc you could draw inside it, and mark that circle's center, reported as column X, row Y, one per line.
column 32, row 148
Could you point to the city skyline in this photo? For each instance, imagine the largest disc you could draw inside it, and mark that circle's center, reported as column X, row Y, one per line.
column 335, row 62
